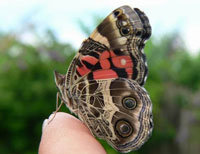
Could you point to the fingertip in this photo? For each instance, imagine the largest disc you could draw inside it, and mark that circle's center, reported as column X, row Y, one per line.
column 62, row 120
column 67, row 134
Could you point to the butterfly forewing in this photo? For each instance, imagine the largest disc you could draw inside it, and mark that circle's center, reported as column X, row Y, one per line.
column 115, row 48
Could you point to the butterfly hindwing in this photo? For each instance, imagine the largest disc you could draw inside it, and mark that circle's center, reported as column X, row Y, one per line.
column 117, row 110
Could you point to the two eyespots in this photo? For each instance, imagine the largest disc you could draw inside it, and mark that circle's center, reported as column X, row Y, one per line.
column 122, row 23
column 123, row 127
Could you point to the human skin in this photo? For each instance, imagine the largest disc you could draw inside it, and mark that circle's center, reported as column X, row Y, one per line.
column 65, row 134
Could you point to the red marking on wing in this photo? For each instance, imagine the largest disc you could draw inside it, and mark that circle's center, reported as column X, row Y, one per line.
column 129, row 72
column 104, row 74
column 122, row 62
column 90, row 59
column 112, row 54
column 105, row 64
column 105, row 55
column 83, row 70
column 105, row 71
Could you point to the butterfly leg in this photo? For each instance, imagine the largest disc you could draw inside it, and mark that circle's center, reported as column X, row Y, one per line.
column 57, row 106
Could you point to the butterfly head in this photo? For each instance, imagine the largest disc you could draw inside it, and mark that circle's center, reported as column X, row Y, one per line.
column 60, row 83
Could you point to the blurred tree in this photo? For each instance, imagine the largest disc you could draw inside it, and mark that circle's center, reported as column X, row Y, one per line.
column 27, row 89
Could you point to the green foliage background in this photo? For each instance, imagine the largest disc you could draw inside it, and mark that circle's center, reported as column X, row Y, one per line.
column 28, row 92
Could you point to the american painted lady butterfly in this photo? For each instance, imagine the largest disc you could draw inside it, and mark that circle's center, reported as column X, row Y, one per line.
column 104, row 83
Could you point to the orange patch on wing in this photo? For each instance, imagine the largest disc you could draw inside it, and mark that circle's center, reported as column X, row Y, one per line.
column 122, row 61
column 105, row 64
column 104, row 74
column 129, row 72
column 112, row 54
column 83, row 70
column 90, row 59
column 105, row 55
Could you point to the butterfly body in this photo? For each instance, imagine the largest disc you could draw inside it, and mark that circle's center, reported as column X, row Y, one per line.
column 104, row 82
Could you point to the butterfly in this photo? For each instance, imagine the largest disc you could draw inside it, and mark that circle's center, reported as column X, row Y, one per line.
column 104, row 83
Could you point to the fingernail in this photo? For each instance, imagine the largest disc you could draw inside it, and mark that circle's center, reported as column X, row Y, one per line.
column 51, row 116
column 45, row 123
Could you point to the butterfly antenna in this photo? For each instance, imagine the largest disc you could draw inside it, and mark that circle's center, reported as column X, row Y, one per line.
column 57, row 106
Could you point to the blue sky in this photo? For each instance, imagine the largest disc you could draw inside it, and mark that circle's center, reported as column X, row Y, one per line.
column 62, row 17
